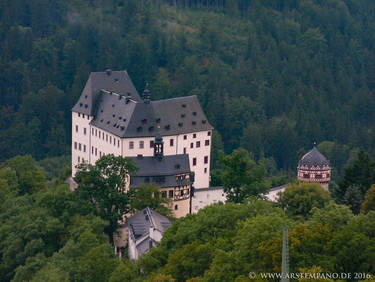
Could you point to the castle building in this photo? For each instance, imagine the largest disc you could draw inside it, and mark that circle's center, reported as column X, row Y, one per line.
column 171, row 173
column 111, row 118
column 314, row 167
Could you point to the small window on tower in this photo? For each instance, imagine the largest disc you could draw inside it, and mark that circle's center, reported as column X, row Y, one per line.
column 191, row 145
column 209, row 133
column 76, row 128
column 75, row 145
column 207, row 142
column 84, row 130
column 84, row 148
column 206, row 159
column 185, row 137
column 184, row 150
column 194, row 161
column 194, row 135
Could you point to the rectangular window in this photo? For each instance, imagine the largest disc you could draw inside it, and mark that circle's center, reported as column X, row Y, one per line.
column 100, row 154
column 110, row 140
column 198, row 144
column 118, row 143
column 131, row 145
column 83, row 115
column 84, row 131
column 182, row 192
column 207, row 142
column 191, row 145
column 185, row 137
column 164, row 194
column 106, row 137
column 79, row 159
column 75, row 145
column 99, row 133
column 152, row 144
column 92, row 149
column 88, row 117
column 171, row 142
column 92, row 131
column 205, row 170
column 206, row 159
column 79, row 146
column 194, row 135
column 96, row 151
column 76, row 128
column 141, row 144
column 96, row 132
column 184, row 150
column 84, row 148
column 209, row 133
column 79, row 114
column 103, row 135
column 170, row 193
column 194, row 161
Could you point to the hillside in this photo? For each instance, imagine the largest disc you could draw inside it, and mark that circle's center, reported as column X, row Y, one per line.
column 272, row 76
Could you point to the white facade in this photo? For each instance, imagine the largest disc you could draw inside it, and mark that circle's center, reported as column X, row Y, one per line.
column 206, row 197
column 89, row 143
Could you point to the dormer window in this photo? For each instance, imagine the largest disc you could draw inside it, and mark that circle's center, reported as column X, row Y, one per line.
column 180, row 124
column 183, row 105
column 167, row 127
column 194, row 113
column 139, row 129
column 158, row 120
column 193, row 122
column 182, row 115
column 151, row 128
column 144, row 121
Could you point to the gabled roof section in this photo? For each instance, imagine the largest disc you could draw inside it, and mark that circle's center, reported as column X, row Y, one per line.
column 180, row 115
column 140, row 223
column 112, row 81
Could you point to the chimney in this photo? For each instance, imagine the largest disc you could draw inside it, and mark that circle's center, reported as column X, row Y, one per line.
column 108, row 71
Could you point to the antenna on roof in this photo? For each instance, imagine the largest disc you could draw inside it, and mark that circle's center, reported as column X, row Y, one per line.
column 146, row 95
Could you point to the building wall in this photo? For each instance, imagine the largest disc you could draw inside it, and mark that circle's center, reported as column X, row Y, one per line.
column 146, row 151
column 189, row 143
column 103, row 143
column 80, row 139
column 206, row 197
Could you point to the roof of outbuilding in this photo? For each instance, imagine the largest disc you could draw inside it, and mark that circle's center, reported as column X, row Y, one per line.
column 167, row 167
column 141, row 222
column 112, row 81
column 312, row 158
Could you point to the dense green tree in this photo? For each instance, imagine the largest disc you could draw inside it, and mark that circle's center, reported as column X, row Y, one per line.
column 241, row 176
column 299, row 198
column 369, row 202
column 30, row 177
column 149, row 195
column 103, row 186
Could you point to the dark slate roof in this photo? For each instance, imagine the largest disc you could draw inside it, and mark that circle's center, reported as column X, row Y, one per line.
column 168, row 117
column 112, row 81
column 314, row 157
column 154, row 168
column 140, row 223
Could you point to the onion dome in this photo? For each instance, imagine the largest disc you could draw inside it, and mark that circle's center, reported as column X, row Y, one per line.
column 313, row 158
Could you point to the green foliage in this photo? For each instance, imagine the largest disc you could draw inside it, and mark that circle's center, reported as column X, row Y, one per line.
column 369, row 202
column 148, row 195
column 241, row 176
column 54, row 167
column 299, row 198
column 103, row 187
column 358, row 178
column 29, row 176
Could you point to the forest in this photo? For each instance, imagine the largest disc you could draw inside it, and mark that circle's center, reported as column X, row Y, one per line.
column 272, row 76
column 49, row 233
